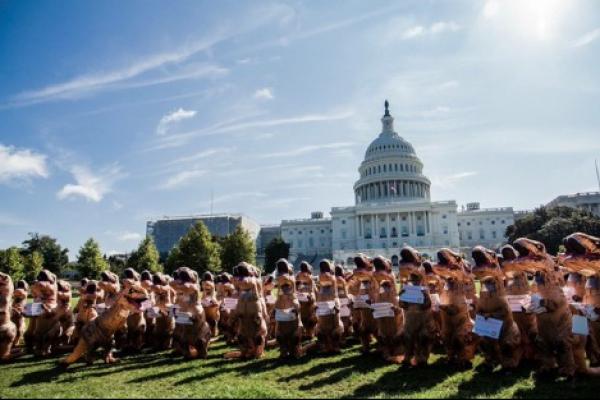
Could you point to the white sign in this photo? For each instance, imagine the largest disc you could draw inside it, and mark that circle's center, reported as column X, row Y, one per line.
column 383, row 313
column 518, row 302
column 590, row 313
column 487, row 327
column 153, row 312
column 208, row 302
column 183, row 318
column 270, row 299
column 535, row 304
column 360, row 301
column 325, row 308
column 412, row 294
column 101, row 308
column 345, row 301
column 146, row 305
column 345, row 311
column 302, row 297
column 286, row 315
column 230, row 303
column 33, row 310
column 580, row 325
column 173, row 309
column 569, row 292
column 435, row 302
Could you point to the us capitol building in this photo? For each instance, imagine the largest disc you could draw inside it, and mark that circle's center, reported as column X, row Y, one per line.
column 393, row 208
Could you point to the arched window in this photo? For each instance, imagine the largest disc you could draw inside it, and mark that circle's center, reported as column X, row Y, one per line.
column 394, row 232
column 395, row 260
column 383, row 233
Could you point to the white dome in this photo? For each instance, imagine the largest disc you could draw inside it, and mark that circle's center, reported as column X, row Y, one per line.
column 391, row 170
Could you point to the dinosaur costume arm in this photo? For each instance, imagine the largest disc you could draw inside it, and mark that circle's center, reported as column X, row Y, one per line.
column 426, row 301
column 450, row 309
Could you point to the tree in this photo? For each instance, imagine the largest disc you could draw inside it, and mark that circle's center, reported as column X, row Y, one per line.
column 33, row 265
column 196, row 250
column 275, row 250
column 11, row 263
column 55, row 257
column 146, row 257
column 173, row 260
column 117, row 264
column 551, row 225
column 236, row 248
column 90, row 262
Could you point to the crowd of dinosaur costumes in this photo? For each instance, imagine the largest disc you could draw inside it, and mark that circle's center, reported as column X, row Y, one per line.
column 530, row 308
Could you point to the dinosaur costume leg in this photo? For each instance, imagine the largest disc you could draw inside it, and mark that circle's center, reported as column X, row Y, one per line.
column 79, row 351
column 565, row 358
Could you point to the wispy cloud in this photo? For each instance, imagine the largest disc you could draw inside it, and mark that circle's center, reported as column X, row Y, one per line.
column 177, row 140
column 448, row 181
column 307, row 149
column 587, row 38
column 173, row 117
column 201, row 155
column 17, row 164
column 90, row 186
column 264, row 94
column 435, row 29
column 9, row 220
column 183, row 177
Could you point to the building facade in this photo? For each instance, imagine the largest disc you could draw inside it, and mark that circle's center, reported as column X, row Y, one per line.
column 486, row 227
column 589, row 201
column 167, row 231
column 393, row 208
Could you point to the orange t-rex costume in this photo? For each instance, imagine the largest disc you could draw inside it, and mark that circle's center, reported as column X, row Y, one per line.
column 210, row 303
column 8, row 330
column 288, row 326
column 18, row 306
column 345, row 301
column 330, row 328
column 360, row 286
column 307, row 294
column 46, row 292
column 164, row 298
column 391, row 321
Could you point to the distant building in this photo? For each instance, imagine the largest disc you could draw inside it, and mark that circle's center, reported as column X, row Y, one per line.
column 265, row 236
column 167, row 231
column 589, row 201
column 486, row 227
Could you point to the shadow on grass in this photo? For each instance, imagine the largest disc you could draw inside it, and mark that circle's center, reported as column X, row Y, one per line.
column 404, row 380
column 485, row 383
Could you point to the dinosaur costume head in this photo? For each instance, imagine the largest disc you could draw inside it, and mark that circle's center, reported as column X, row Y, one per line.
column 583, row 254
column 486, row 263
column 208, row 283
column 285, row 277
column 492, row 286
column 146, row 279
column 410, row 260
column 532, row 257
column 132, row 297
column 64, row 292
column 45, row 287
column 246, row 281
column 130, row 276
column 304, row 278
column 6, row 285
column 364, row 266
column 109, row 282
column 327, row 280
column 450, row 264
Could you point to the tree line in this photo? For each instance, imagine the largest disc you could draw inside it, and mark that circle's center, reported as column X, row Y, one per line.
column 197, row 249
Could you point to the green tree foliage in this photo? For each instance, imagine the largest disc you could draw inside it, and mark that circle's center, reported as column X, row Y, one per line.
column 11, row 263
column 90, row 262
column 196, row 250
column 275, row 250
column 551, row 225
column 116, row 264
column 146, row 257
column 33, row 265
column 236, row 248
column 55, row 257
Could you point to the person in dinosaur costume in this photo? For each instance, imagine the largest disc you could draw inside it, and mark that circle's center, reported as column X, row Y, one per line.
column 388, row 315
column 18, row 306
column 307, row 294
column 361, row 287
column 519, row 293
column 345, row 301
column 330, row 328
column 90, row 295
column 99, row 333
column 228, row 297
column 210, row 303
column 420, row 328
column 146, row 280
column 164, row 298
column 583, row 257
column 270, row 299
column 436, row 286
column 410, row 261
column 507, row 350
column 250, row 312
column 46, row 291
column 60, row 334
column 132, row 338
column 288, row 326
column 192, row 334
column 556, row 343
column 8, row 329
column 457, row 325
column 110, row 286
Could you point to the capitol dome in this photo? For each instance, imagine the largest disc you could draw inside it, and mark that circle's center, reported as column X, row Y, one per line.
column 391, row 170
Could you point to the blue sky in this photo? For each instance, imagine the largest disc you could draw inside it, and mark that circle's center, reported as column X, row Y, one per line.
column 114, row 112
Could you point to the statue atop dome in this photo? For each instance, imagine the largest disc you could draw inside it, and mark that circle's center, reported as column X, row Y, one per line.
column 387, row 109
column 387, row 120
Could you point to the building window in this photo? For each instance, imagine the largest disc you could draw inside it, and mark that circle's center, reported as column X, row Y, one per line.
column 343, row 222
column 382, row 233
column 394, row 232
column 444, row 216
column 468, row 224
column 494, row 222
column 494, row 234
column 311, row 243
column 344, row 234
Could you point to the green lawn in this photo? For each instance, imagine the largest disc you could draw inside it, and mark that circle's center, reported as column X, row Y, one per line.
column 347, row 375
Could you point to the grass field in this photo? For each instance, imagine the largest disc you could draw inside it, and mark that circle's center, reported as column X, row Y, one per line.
column 347, row 375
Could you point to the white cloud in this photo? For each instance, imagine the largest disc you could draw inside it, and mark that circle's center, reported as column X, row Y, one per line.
column 490, row 9
column 264, row 94
column 172, row 118
column 183, row 177
column 587, row 38
column 434, row 29
column 21, row 164
column 307, row 149
column 129, row 237
column 90, row 186
column 449, row 181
